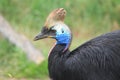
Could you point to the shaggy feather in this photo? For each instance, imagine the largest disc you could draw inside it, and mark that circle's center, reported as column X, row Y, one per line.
column 97, row 59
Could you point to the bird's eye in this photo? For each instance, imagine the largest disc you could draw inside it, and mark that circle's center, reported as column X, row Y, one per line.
column 62, row 31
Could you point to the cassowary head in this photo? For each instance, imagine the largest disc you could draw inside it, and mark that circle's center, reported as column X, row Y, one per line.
column 55, row 28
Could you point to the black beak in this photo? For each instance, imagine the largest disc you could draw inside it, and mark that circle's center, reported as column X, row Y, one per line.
column 45, row 33
column 40, row 36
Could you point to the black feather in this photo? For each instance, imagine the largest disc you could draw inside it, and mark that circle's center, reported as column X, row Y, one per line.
column 97, row 59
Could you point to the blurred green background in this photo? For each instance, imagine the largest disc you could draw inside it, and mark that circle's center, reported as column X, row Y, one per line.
column 86, row 19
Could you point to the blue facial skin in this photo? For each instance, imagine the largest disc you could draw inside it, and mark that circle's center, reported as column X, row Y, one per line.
column 63, row 34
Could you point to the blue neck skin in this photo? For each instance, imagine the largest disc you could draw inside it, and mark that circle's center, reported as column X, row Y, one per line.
column 63, row 34
column 64, row 39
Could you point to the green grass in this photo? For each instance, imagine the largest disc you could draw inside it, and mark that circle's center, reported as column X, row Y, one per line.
column 27, row 15
column 14, row 63
column 86, row 18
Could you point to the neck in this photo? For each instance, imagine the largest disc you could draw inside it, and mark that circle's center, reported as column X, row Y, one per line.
column 57, row 52
column 59, row 49
column 65, row 40
column 56, row 59
column 64, row 45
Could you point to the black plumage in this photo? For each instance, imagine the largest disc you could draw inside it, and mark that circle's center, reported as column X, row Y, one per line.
column 97, row 59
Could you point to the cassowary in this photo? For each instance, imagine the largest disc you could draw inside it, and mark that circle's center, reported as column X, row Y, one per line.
column 97, row 59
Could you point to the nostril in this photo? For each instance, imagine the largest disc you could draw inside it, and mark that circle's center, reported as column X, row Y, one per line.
column 62, row 31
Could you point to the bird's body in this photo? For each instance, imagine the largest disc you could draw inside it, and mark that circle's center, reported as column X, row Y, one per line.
column 97, row 59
